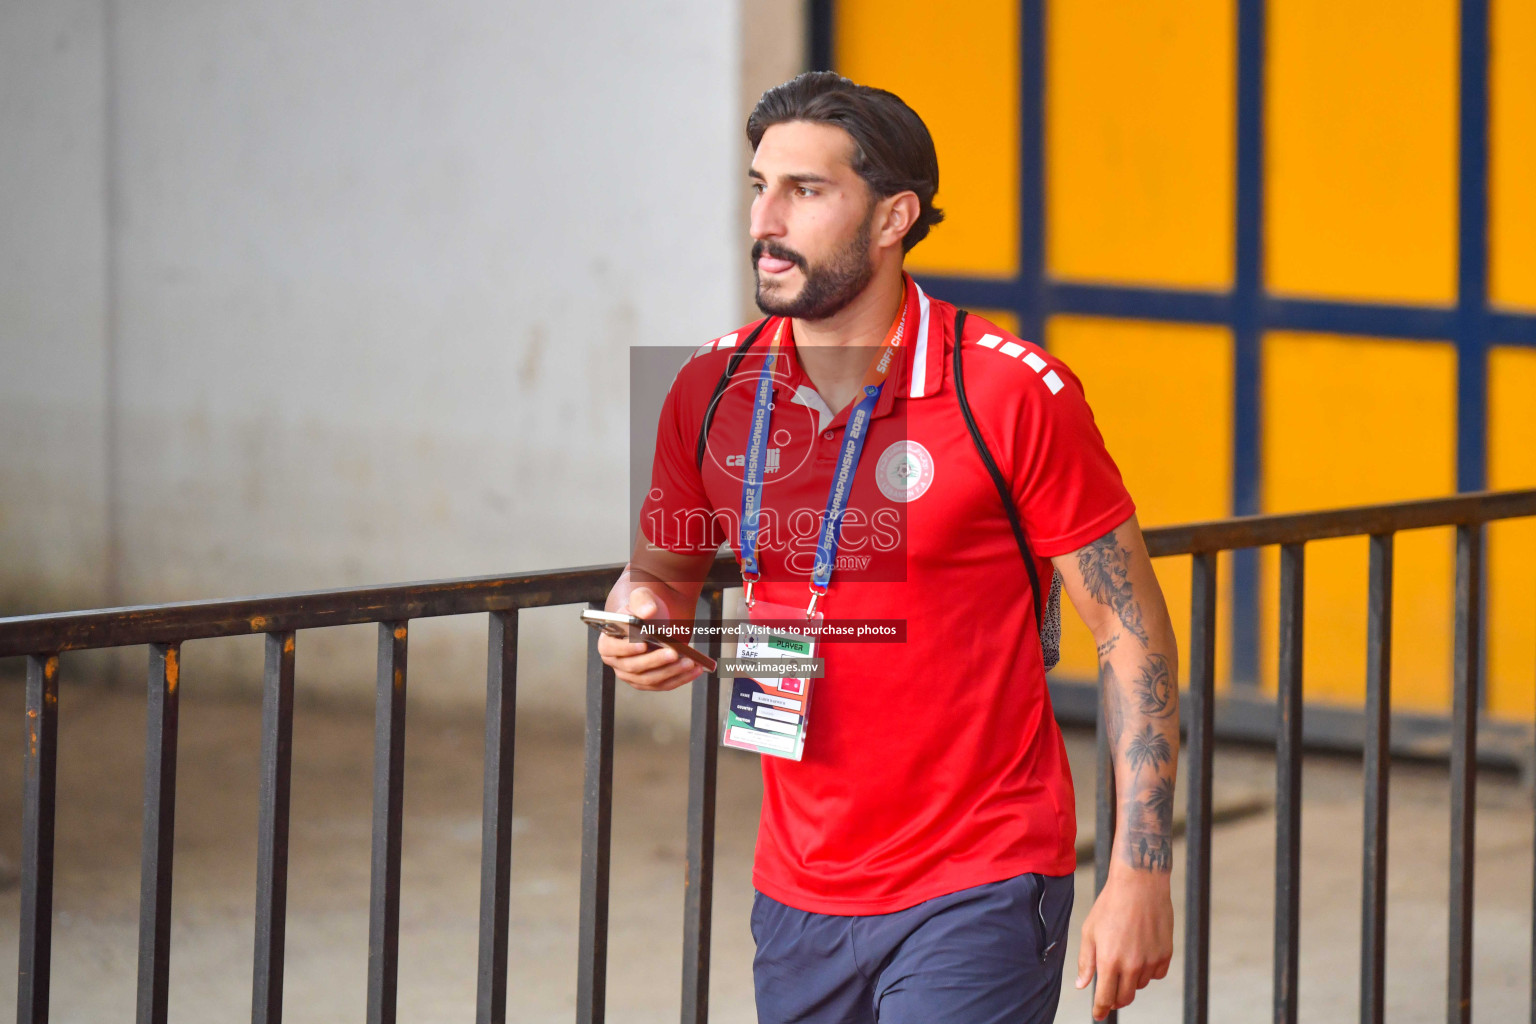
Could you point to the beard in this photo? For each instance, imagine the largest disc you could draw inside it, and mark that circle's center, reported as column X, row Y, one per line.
column 829, row 286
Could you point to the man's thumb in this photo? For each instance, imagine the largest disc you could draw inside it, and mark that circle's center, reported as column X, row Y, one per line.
column 642, row 602
column 1085, row 961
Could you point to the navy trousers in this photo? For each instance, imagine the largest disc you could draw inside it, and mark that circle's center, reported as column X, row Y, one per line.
column 992, row 954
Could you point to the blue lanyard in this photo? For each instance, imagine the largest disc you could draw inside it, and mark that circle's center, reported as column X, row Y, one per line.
column 752, row 471
column 856, row 430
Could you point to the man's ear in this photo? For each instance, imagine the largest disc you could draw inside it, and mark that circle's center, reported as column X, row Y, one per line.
column 895, row 218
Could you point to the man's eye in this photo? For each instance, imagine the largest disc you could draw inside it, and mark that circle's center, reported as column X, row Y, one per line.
column 804, row 191
column 757, row 188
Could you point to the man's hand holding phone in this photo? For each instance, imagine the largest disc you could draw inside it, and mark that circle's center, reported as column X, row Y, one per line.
column 641, row 665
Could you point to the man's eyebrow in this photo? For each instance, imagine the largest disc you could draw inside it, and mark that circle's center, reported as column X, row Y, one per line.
column 804, row 178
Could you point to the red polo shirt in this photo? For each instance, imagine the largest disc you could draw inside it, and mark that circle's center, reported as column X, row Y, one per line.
column 935, row 764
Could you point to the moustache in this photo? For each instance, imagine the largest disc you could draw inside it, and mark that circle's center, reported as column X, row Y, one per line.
column 763, row 247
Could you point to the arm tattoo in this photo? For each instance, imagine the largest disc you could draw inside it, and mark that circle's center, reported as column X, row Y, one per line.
column 1149, row 696
column 1114, row 713
column 1107, row 576
column 1149, row 806
column 1149, row 824
column 1148, row 748
column 1155, row 692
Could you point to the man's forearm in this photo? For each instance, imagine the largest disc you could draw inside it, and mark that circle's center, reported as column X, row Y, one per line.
column 1140, row 694
column 1139, row 688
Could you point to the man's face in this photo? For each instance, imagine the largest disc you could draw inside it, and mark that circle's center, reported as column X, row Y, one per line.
column 811, row 220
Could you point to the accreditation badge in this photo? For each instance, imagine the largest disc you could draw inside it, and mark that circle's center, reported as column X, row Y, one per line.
column 774, row 665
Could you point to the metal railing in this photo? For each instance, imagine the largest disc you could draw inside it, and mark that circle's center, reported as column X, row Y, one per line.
column 42, row 638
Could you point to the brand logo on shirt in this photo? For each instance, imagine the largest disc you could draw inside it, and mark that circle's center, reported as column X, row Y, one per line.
column 770, row 464
column 904, row 471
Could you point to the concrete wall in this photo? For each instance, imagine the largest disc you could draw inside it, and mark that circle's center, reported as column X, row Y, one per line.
column 774, row 37
column 53, row 306
column 300, row 295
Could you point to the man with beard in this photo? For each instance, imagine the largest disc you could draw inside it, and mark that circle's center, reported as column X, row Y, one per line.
column 916, row 865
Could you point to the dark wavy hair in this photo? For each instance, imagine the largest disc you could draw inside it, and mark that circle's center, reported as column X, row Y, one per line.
column 892, row 150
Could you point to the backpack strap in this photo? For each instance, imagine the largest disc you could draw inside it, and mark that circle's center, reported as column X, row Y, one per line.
column 1003, row 491
column 725, row 379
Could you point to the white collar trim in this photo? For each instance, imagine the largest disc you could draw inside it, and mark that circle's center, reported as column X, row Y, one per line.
column 920, row 350
column 811, row 399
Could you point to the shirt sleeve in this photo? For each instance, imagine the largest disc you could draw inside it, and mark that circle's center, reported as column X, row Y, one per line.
column 1067, row 487
column 677, row 514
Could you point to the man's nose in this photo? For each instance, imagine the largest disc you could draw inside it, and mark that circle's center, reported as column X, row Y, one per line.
column 767, row 219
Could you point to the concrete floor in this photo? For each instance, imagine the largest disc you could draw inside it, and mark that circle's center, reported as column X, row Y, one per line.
column 96, row 902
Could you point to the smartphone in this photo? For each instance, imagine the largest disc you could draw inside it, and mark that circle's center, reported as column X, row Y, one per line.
column 620, row 624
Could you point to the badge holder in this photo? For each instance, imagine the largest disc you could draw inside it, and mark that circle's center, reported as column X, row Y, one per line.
column 769, row 710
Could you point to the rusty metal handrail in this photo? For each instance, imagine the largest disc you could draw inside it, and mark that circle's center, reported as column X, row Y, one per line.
column 196, row 620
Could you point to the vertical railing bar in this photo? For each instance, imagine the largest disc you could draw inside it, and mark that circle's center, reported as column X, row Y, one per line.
column 1200, row 722
column 699, row 883
column 596, row 832
column 272, row 829
column 1464, row 702
column 1104, row 806
column 39, row 785
column 158, row 838
column 496, row 817
column 1288, row 783
column 1378, row 766
column 388, row 797
column 1248, row 297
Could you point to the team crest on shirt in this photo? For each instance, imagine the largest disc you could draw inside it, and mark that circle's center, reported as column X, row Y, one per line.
column 904, row 471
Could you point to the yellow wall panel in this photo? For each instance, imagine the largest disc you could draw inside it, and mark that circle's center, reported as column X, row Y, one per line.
column 1511, row 562
column 1361, row 149
column 1350, row 421
column 957, row 65
column 1162, row 397
column 1140, row 140
column 1512, row 123
column 1006, row 319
